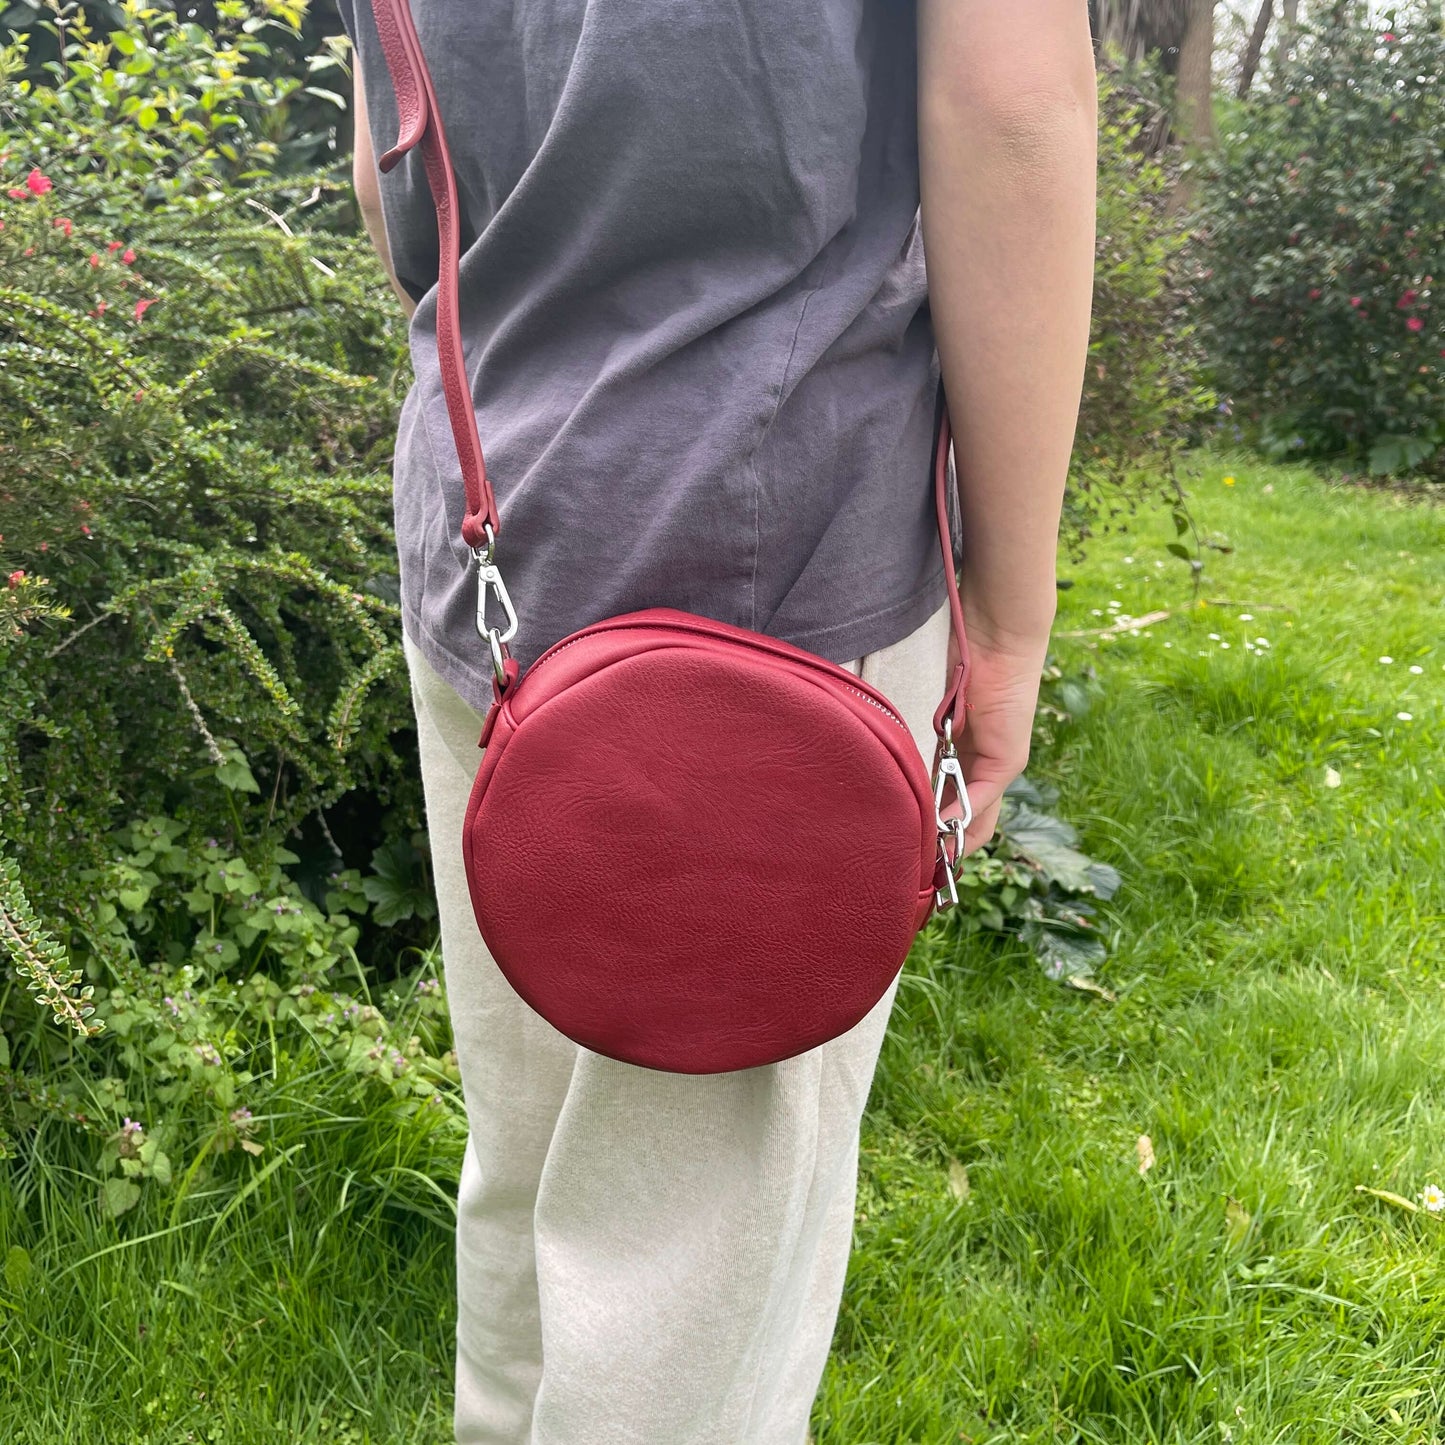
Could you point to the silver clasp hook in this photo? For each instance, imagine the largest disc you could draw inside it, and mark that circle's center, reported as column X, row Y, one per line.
column 950, row 830
column 489, row 580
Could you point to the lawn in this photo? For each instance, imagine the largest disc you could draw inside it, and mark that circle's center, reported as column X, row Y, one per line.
column 1277, row 1032
column 1265, row 770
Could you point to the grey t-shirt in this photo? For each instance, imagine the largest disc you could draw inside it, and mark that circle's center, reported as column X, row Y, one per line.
column 695, row 315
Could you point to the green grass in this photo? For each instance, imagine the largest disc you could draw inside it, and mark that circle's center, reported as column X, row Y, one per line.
column 1279, row 1033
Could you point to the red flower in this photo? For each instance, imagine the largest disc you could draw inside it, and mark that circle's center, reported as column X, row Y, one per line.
column 127, row 256
column 140, row 394
column 1388, row 36
column 1414, row 324
column 1408, row 299
column 17, row 577
column 114, row 245
column 1354, row 300
column 63, row 224
column 38, row 184
column 1315, row 293
column 100, row 308
column 16, row 193
column 141, row 306
column 95, row 258
column 84, row 529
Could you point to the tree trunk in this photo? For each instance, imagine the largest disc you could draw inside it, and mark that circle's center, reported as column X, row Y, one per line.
column 1194, row 92
column 1196, row 80
column 1288, row 20
column 1255, row 48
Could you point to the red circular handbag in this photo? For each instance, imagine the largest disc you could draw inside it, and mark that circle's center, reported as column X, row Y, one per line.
column 689, row 846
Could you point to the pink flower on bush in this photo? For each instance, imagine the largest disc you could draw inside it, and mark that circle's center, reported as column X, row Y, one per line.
column 17, row 577
column 1407, row 299
column 1315, row 293
column 1388, row 36
column 36, row 184
column 1354, row 300
column 95, row 258
column 114, row 245
column 62, row 223
column 142, row 306
column 127, row 256
column 1414, row 324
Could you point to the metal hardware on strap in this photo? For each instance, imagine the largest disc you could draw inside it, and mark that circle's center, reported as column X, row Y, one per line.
column 950, row 829
column 489, row 582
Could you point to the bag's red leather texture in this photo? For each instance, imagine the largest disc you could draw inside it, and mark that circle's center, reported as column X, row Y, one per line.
column 689, row 846
column 697, row 849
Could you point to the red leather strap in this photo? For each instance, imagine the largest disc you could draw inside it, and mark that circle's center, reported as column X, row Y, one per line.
column 420, row 123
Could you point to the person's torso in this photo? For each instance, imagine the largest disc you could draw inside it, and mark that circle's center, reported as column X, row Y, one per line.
column 695, row 317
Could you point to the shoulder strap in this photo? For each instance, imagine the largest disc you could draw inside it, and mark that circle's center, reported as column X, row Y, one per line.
column 421, row 124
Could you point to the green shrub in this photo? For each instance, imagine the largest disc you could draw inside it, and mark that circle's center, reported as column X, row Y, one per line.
column 1324, row 218
column 199, row 630
column 1143, row 399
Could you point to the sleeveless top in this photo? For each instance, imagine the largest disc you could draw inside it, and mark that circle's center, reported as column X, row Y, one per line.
column 695, row 319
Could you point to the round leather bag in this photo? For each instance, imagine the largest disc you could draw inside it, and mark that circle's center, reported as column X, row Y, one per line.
column 695, row 848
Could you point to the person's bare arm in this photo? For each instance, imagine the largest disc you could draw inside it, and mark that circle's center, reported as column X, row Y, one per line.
column 1007, row 130
column 365, row 179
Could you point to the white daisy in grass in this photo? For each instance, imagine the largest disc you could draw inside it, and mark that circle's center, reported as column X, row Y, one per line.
column 1246, row 617
column 1386, row 661
column 1417, row 669
column 1261, row 642
column 1405, row 716
column 1433, row 1198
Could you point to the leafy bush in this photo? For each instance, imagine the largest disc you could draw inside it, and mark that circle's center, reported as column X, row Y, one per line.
column 276, row 64
column 1324, row 218
column 204, row 731
column 1143, row 398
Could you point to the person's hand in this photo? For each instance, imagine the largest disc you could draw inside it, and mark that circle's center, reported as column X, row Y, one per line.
column 993, row 744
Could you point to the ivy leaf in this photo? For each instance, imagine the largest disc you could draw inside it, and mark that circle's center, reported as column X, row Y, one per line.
column 1048, row 843
column 118, row 1195
column 397, row 887
column 1065, row 952
column 234, row 772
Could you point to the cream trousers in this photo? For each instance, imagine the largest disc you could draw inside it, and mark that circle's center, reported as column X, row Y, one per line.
column 642, row 1258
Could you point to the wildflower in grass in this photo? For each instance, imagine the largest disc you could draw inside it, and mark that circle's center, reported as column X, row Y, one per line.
column 1229, row 481
column 1386, row 661
column 1405, row 716
column 129, row 1129
column 1261, row 642
column 1214, row 637
column 1246, row 617
column 1433, row 1198
column 1332, row 778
